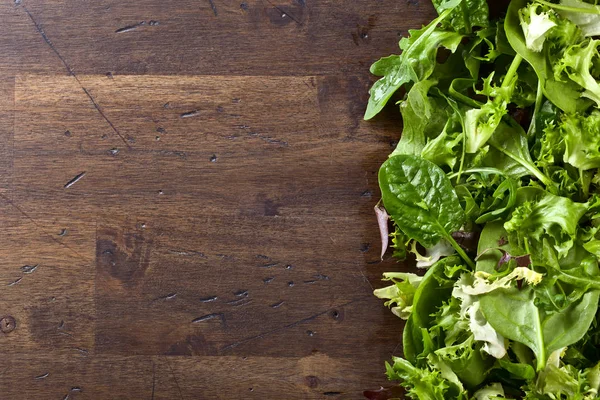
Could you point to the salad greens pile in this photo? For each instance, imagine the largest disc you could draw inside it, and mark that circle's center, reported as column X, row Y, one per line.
column 494, row 187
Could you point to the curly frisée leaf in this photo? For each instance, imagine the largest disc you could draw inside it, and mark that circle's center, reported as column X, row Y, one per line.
column 400, row 295
column 535, row 23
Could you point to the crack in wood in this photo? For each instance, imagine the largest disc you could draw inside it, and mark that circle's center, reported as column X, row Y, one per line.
column 71, row 72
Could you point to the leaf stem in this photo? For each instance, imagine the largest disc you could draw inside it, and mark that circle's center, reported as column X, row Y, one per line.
column 541, row 357
column 488, row 170
column 538, row 104
column 512, row 70
column 531, row 168
column 465, row 13
column 460, row 251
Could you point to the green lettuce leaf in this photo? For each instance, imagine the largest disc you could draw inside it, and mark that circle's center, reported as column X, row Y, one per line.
column 467, row 15
column 416, row 63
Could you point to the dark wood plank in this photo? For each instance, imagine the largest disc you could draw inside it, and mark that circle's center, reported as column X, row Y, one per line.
column 243, row 37
column 199, row 223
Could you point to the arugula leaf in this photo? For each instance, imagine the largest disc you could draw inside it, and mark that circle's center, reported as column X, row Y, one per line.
column 416, row 63
column 564, row 328
column 517, row 370
column 511, row 153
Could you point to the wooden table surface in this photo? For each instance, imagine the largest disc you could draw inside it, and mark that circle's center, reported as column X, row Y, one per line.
column 186, row 198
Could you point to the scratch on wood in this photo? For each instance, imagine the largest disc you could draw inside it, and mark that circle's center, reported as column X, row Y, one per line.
column 29, row 269
column 296, row 20
column 40, row 30
column 70, row 70
column 288, row 326
column 208, row 299
column 208, row 317
column 97, row 107
column 75, row 180
column 34, row 222
column 43, row 376
column 214, row 7
column 278, row 304
column 189, row 114
column 188, row 253
column 269, row 139
column 169, row 296
column 15, row 282
column 129, row 28
column 270, row 265
column 83, row 352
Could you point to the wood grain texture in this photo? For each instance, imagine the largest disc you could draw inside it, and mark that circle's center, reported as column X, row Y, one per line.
column 186, row 198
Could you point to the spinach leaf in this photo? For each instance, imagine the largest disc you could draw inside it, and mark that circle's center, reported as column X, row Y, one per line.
column 513, row 314
column 564, row 328
column 421, row 200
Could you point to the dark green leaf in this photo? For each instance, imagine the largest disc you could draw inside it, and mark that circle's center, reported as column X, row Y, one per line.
column 420, row 199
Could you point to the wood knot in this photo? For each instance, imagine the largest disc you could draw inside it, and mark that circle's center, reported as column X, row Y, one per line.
column 7, row 324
